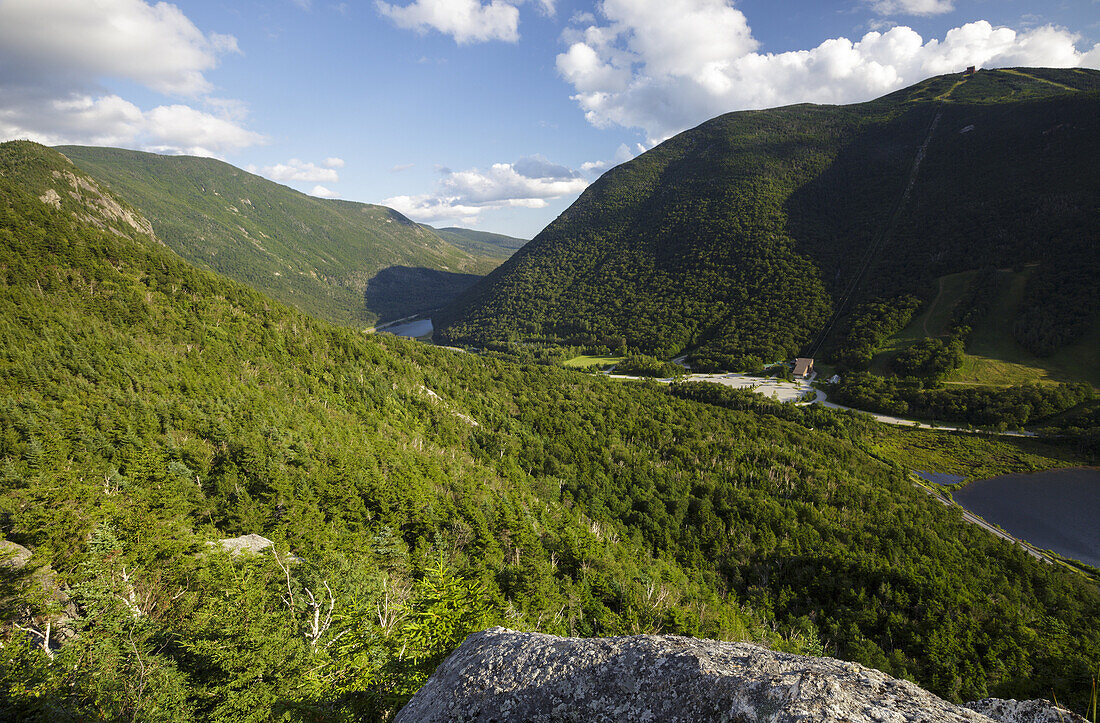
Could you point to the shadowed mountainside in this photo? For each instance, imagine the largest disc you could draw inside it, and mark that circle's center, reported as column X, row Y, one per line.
column 739, row 240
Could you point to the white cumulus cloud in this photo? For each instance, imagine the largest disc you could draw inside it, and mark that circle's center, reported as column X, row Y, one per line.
column 322, row 192
column 82, row 40
column 333, row 162
column 431, row 209
column 666, row 65
column 191, row 131
column 56, row 54
column 467, row 21
column 462, row 195
column 113, row 121
column 622, row 155
column 301, row 171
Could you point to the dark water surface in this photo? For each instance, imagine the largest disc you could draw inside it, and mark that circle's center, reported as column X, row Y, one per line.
column 940, row 478
column 1056, row 510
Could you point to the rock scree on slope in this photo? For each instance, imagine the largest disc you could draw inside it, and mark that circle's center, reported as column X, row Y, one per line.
column 502, row 675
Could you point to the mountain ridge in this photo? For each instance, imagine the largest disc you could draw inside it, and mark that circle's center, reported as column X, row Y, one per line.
column 485, row 243
column 739, row 239
column 320, row 255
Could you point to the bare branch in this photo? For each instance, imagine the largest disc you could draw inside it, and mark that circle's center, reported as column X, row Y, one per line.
column 286, row 571
column 314, row 633
column 130, row 600
column 336, row 637
column 391, row 609
column 318, row 628
column 45, row 644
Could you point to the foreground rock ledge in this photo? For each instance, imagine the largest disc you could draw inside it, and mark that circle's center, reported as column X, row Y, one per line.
column 502, row 675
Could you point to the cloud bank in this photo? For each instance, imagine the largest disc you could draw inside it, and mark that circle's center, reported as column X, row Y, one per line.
column 666, row 65
column 461, row 196
column 55, row 54
column 622, row 155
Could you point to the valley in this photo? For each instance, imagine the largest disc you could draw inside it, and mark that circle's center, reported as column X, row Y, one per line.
column 190, row 353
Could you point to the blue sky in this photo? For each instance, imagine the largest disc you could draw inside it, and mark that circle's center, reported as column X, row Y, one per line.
column 493, row 114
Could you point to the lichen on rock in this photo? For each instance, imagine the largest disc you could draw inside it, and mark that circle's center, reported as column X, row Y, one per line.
column 502, row 675
column 251, row 543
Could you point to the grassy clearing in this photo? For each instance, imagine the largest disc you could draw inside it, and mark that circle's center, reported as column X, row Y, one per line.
column 1075, row 363
column 994, row 358
column 585, row 360
column 947, row 93
column 970, row 455
column 934, row 320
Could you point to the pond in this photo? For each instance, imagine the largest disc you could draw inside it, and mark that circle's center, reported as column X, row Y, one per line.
column 1057, row 510
column 941, row 478
column 412, row 329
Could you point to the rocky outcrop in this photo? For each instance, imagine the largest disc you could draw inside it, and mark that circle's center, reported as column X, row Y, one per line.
column 13, row 555
column 105, row 210
column 45, row 631
column 1024, row 711
column 245, row 543
column 501, row 675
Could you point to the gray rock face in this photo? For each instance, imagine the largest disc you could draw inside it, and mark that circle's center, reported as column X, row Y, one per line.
column 13, row 555
column 501, row 675
column 245, row 543
column 1024, row 711
column 44, row 581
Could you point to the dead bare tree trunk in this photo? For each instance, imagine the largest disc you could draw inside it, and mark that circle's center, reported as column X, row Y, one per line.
column 36, row 634
column 316, row 627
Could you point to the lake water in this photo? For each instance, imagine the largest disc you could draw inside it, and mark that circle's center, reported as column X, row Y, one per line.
column 413, row 329
column 941, row 478
column 1056, row 510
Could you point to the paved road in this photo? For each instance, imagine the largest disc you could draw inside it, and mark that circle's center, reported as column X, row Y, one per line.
column 797, row 391
column 900, row 421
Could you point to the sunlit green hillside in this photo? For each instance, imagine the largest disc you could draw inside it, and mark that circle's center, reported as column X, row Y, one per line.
column 352, row 263
column 149, row 407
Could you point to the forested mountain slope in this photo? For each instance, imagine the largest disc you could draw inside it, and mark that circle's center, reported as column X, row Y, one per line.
column 352, row 263
column 481, row 243
column 738, row 239
column 148, row 407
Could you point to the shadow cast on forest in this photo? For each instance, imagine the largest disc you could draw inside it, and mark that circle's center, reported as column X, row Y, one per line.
column 399, row 291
